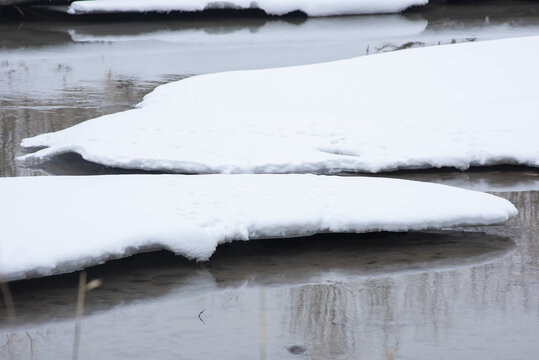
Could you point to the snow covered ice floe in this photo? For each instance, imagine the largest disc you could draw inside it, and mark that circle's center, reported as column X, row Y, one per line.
column 453, row 105
column 271, row 7
column 58, row 224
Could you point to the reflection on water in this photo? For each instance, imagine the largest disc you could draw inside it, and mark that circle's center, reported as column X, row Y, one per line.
column 455, row 314
column 448, row 295
column 491, row 178
column 325, row 258
column 26, row 116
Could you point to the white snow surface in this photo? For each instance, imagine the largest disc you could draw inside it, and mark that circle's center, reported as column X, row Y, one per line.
column 271, row 7
column 453, row 105
column 58, row 224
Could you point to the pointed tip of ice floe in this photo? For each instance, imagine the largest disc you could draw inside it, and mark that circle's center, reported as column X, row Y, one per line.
column 26, row 159
column 38, row 156
column 513, row 211
column 28, row 143
column 509, row 211
column 37, row 141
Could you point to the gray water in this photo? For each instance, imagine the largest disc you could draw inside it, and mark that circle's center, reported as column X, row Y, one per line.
column 462, row 293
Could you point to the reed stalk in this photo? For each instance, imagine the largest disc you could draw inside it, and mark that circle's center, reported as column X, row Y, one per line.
column 8, row 300
column 83, row 288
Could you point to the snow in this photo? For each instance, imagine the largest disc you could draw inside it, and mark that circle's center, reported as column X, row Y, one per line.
column 271, row 7
column 62, row 223
column 457, row 105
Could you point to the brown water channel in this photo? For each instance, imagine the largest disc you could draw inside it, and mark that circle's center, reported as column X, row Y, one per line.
column 455, row 294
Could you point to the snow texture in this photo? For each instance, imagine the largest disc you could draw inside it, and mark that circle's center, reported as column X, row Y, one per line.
column 57, row 224
column 455, row 105
column 271, row 7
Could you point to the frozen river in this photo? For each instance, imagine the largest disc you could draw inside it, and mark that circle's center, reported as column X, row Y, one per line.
column 445, row 295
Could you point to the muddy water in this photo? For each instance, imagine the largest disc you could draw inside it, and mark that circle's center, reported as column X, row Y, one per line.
column 455, row 294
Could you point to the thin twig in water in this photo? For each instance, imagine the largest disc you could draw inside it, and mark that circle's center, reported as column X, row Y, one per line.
column 19, row 10
column 31, row 344
column 200, row 318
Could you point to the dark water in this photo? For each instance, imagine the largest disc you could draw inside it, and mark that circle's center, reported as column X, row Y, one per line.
column 455, row 294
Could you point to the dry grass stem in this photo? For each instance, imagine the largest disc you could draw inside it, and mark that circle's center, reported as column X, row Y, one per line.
column 83, row 288
column 8, row 300
column 80, row 309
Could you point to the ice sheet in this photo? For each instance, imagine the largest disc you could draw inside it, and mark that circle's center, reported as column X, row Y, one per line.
column 457, row 105
column 62, row 223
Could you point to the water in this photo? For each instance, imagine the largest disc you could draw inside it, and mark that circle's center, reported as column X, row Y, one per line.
column 454, row 294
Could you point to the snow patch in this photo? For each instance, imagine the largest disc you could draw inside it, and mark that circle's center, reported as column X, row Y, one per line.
column 460, row 105
column 271, row 7
column 58, row 224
